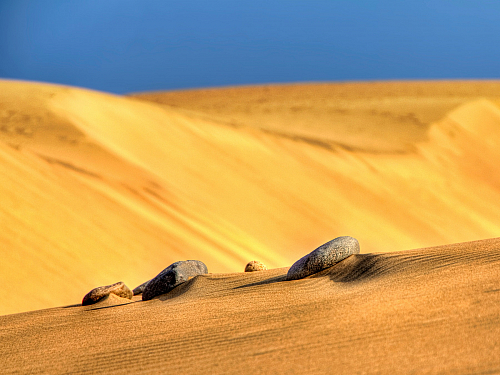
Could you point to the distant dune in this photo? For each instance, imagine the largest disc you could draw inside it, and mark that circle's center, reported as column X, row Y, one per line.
column 97, row 188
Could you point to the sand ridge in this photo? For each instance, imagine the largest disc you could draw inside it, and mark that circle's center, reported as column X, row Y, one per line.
column 369, row 116
column 432, row 310
column 98, row 188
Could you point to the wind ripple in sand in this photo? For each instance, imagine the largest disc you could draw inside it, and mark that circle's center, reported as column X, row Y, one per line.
column 432, row 310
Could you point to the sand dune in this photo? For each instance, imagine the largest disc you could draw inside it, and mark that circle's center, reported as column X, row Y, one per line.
column 98, row 188
column 432, row 310
column 376, row 116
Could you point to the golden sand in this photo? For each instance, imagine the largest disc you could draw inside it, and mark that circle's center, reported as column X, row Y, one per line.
column 432, row 310
column 97, row 188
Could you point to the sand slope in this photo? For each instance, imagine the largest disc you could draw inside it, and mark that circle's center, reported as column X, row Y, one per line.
column 97, row 188
column 432, row 310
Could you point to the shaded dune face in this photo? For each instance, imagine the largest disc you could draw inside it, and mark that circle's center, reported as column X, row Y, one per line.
column 432, row 310
column 98, row 188
column 366, row 267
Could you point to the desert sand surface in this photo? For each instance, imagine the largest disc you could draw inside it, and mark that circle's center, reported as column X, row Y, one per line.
column 98, row 188
column 431, row 310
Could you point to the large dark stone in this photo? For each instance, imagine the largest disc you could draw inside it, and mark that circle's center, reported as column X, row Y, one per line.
column 173, row 275
column 140, row 288
column 97, row 294
column 323, row 257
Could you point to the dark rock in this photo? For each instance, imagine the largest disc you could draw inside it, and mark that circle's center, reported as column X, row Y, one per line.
column 323, row 257
column 173, row 275
column 140, row 288
column 97, row 294
column 255, row 265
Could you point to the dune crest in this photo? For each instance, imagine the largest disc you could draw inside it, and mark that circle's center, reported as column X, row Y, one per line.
column 98, row 188
column 432, row 310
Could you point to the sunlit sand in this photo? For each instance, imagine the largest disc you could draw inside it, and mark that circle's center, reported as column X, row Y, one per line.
column 97, row 188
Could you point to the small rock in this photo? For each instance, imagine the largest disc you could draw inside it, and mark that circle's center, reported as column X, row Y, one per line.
column 140, row 288
column 173, row 275
column 323, row 257
column 255, row 265
column 97, row 294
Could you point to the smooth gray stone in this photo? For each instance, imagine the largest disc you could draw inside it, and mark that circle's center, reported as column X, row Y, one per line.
column 173, row 275
column 323, row 257
column 97, row 294
column 140, row 288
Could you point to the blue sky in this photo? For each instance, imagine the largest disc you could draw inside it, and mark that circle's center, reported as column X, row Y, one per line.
column 138, row 45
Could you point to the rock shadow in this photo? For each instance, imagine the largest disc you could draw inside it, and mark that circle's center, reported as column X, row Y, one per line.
column 108, row 307
column 272, row 280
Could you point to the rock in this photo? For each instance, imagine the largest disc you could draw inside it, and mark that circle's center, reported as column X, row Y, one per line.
column 323, row 257
column 97, row 294
column 173, row 275
column 140, row 288
column 255, row 265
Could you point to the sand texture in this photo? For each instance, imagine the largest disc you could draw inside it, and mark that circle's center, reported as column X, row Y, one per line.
column 432, row 310
column 97, row 188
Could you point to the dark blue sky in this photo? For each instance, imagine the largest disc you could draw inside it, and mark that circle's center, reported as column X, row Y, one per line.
column 137, row 45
